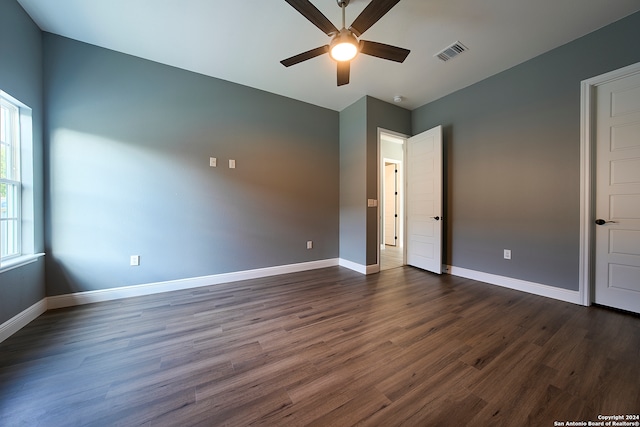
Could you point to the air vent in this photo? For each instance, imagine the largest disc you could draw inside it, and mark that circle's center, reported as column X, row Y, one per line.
column 451, row 52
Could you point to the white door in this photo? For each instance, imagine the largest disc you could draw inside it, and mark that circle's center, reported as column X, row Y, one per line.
column 617, row 229
column 424, row 200
column 390, row 204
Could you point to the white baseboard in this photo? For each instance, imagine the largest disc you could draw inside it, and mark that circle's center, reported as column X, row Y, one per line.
column 88, row 297
column 517, row 284
column 362, row 269
column 22, row 319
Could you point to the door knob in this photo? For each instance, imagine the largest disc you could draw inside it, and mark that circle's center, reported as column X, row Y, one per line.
column 603, row 222
column 437, row 218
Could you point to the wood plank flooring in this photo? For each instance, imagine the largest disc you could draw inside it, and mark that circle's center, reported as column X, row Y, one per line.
column 391, row 257
column 328, row 347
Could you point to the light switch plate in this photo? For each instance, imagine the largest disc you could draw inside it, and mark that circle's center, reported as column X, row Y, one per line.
column 232, row 164
column 213, row 162
column 135, row 260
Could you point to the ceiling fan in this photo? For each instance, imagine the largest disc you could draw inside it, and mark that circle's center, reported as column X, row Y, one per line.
column 344, row 45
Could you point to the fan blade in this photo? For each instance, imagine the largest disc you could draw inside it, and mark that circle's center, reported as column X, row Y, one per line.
column 305, row 55
column 370, row 15
column 343, row 72
column 316, row 17
column 384, row 51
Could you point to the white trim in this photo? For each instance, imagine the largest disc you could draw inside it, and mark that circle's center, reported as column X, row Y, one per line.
column 88, row 297
column 379, row 197
column 362, row 269
column 22, row 319
column 517, row 284
column 359, row 268
column 584, row 269
column 587, row 173
column 373, row 269
column 19, row 261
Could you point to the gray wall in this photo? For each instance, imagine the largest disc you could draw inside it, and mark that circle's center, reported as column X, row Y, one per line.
column 128, row 147
column 126, row 167
column 359, row 166
column 353, row 188
column 21, row 77
column 512, row 148
column 391, row 150
column 391, row 117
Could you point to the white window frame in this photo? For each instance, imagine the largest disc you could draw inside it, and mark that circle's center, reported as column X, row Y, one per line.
column 12, row 147
column 25, row 185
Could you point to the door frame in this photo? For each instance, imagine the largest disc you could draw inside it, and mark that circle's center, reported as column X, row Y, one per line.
column 404, row 183
column 587, row 177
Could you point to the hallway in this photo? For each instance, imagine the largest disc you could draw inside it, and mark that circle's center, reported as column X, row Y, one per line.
column 391, row 257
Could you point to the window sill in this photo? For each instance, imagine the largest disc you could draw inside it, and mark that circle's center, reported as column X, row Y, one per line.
column 12, row 263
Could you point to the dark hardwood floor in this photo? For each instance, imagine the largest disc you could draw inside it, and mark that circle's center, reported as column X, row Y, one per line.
column 328, row 347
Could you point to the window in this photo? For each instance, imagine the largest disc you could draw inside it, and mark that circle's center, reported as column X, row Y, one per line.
column 16, row 184
column 9, row 179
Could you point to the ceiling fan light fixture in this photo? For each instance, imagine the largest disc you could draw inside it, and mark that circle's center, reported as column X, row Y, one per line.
column 344, row 46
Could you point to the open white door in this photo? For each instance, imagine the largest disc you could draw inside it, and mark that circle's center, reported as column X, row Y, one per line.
column 617, row 229
column 424, row 200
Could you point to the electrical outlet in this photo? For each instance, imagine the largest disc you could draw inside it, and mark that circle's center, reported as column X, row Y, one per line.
column 507, row 254
column 135, row 260
column 309, row 244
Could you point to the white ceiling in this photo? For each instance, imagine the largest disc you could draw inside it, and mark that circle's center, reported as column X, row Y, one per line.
column 243, row 41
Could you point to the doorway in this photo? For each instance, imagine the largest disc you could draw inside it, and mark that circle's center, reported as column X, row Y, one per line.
column 418, row 162
column 391, row 200
column 610, row 193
